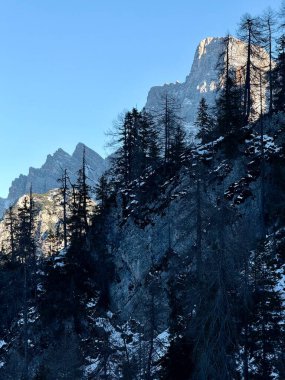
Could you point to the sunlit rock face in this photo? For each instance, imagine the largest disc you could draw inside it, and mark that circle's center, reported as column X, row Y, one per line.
column 48, row 221
column 205, row 77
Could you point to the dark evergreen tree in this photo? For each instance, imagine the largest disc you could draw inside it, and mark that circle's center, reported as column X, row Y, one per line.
column 178, row 146
column 262, row 329
column 10, row 223
column 148, row 141
column 80, row 204
column 26, row 254
column 102, row 190
column 204, row 122
column 136, row 139
column 65, row 193
column 126, row 159
column 229, row 117
column 179, row 360
column 104, row 262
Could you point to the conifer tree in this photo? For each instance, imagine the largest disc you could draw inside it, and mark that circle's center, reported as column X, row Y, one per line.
column 178, row 146
column 178, row 362
column 65, row 193
column 136, row 139
column 10, row 223
column 81, row 201
column 170, row 123
column 250, row 33
column 102, row 190
column 126, row 159
column 213, row 325
column 261, row 334
column 229, row 118
column 26, row 254
column 148, row 141
column 268, row 28
column 204, row 122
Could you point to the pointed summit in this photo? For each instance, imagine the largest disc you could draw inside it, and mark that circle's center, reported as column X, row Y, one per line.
column 78, row 151
column 92, row 158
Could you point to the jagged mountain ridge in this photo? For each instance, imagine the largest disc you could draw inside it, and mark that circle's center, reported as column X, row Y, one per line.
column 45, row 178
column 204, row 77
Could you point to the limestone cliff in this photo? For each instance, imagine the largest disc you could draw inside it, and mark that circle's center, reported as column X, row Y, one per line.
column 204, row 77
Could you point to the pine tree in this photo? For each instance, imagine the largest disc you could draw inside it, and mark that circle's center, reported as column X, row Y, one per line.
column 126, row 160
column 229, row 119
column 178, row 146
column 148, row 141
column 102, row 190
column 204, row 122
column 81, row 203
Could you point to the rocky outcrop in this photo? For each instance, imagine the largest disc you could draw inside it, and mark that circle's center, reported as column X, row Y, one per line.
column 48, row 222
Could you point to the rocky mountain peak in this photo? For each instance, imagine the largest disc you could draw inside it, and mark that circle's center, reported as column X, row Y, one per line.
column 90, row 154
column 78, row 151
column 202, row 47
column 45, row 178
column 204, row 77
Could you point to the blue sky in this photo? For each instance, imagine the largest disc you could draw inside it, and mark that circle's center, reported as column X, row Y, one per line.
column 68, row 67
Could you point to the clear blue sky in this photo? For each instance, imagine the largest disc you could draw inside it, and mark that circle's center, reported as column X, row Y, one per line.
column 68, row 67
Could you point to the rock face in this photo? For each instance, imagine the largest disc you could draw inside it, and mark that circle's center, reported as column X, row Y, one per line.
column 45, row 178
column 48, row 217
column 140, row 251
column 204, row 77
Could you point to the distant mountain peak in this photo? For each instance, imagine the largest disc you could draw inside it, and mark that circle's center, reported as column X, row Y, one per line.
column 45, row 178
column 80, row 147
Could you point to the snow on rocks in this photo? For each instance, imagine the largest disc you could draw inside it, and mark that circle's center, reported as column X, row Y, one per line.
column 123, row 341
